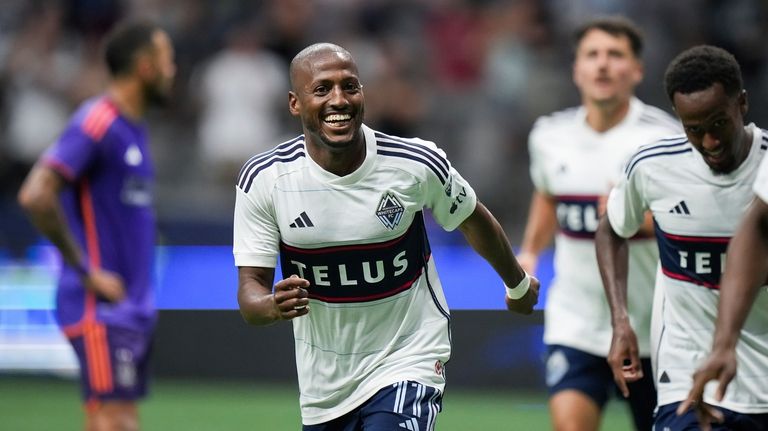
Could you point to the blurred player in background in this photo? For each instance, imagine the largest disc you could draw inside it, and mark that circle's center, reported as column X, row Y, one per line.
column 342, row 206
column 90, row 194
column 576, row 155
column 742, row 283
column 697, row 186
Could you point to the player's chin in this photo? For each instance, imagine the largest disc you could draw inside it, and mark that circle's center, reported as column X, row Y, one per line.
column 340, row 141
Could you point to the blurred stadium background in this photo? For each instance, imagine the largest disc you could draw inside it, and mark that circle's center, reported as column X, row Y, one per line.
column 471, row 75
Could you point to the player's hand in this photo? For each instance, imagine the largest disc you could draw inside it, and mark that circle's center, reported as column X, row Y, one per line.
column 528, row 262
column 525, row 304
column 624, row 357
column 720, row 366
column 291, row 297
column 705, row 413
column 105, row 284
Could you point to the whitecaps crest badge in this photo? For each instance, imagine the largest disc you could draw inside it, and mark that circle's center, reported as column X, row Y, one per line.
column 390, row 210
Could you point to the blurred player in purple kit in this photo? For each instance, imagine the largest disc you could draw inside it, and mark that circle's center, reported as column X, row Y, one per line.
column 90, row 194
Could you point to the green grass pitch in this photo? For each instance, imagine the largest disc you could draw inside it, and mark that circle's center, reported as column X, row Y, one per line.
column 49, row 403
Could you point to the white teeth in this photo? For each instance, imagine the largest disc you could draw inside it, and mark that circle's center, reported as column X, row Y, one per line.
column 337, row 117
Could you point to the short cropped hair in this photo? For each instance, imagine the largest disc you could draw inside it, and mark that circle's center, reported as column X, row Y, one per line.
column 699, row 68
column 615, row 26
column 124, row 42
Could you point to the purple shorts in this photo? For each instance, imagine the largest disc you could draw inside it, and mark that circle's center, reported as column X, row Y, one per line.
column 113, row 362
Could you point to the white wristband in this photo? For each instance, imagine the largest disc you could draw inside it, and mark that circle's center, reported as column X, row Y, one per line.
column 521, row 289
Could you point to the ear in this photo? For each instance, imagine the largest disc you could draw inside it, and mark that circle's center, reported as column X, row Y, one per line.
column 294, row 105
column 639, row 73
column 743, row 102
column 144, row 66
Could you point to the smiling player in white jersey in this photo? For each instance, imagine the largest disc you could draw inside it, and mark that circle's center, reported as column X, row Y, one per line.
column 697, row 186
column 342, row 206
column 741, row 285
column 576, row 156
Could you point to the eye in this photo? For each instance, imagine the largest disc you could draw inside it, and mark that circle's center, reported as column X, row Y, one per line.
column 718, row 124
column 321, row 90
column 693, row 130
column 352, row 87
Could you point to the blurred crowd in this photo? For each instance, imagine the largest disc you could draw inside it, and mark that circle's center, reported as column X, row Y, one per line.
column 471, row 75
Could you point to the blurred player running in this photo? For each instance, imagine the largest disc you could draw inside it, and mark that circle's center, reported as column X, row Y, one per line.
column 576, row 155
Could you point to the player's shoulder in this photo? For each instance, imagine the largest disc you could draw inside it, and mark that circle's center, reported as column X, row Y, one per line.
column 663, row 153
column 412, row 153
column 563, row 118
column 654, row 116
column 271, row 163
column 763, row 135
column 555, row 128
column 94, row 117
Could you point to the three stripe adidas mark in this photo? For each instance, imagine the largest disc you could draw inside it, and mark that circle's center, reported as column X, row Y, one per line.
column 680, row 208
column 302, row 221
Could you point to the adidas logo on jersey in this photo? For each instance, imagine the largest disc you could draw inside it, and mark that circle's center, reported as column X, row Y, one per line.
column 302, row 221
column 664, row 378
column 680, row 208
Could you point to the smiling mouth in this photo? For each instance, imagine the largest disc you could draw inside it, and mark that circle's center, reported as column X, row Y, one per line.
column 337, row 119
column 715, row 155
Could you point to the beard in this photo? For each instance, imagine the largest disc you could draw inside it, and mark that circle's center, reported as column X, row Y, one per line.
column 157, row 95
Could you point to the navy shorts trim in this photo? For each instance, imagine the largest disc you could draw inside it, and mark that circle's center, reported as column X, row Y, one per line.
column 401, row 406
column 667, row 419
column 572, row 369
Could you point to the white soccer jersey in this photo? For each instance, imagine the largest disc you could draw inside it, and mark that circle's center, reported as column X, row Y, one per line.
column 761, row 182
column 577, row 165
column 378, row 313
column 695, row 212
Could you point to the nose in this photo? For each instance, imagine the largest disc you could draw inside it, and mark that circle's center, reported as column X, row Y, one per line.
column 710, row 142
column 337, row 97
column 602, row 60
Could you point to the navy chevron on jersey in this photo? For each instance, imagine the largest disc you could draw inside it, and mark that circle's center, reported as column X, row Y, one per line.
column 378, row 313
column 696, row 212
column 576, row 166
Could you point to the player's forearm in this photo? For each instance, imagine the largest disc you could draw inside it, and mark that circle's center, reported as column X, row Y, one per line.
column 255, row 297
column 41, row 203
column 541, row 225
column 612, row 259
column 745, row 273
column 257, row 308
column 486, row 236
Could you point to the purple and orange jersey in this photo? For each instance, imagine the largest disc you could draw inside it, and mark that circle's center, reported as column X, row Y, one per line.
column 105, row 158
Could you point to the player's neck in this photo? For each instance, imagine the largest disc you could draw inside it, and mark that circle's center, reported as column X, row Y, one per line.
column 129, row 98
column 336, row 161
column 604, row 116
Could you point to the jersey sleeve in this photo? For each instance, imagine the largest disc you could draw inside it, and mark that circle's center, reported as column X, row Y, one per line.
column 451, row 202
column 626, row 205
column 72, row 153
column 761, row 181
column 256, row 236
